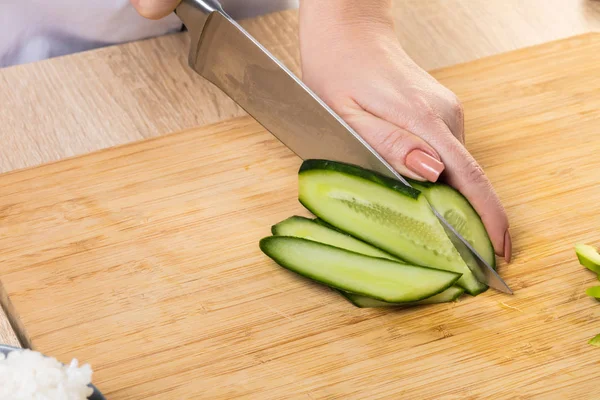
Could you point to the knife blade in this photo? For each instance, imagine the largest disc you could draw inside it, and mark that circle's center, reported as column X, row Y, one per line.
column 226, row 55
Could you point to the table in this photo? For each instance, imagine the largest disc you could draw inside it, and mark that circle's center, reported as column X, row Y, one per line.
column 76, row 104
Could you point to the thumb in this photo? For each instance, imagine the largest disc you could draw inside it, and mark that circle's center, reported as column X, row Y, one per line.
column 408, row 154
column 155, row 9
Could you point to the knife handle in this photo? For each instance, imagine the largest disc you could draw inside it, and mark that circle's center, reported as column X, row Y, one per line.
column 193, row 13
column 204, row 6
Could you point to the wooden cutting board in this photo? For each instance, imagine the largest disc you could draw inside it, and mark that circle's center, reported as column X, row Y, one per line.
column 143, row 260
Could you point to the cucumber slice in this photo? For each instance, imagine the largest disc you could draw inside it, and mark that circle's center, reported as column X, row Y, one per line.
column 448, row 295
column 325, row 224
column 309, row 229
column 588, row 257
column 459, row 213
column 593, row 291
column 320, row 231
column 345, row 270
column 595, row 341
column 382, row 212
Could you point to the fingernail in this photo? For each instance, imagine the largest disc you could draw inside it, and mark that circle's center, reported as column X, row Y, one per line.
column 507, row 247
column 424, row 165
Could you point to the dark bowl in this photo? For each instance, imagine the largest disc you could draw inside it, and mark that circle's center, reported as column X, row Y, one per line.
column 5, row 349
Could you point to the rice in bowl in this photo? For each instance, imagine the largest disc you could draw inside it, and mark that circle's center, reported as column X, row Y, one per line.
column 29, row 375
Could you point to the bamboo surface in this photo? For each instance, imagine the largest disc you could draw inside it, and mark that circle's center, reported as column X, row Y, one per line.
column 143, row 259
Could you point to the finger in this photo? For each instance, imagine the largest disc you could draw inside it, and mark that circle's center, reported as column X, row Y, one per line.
column 155, row 9
column 454, row 117
column 408, row 154
column 466, row 175
column 449, row 108
column 461, row 171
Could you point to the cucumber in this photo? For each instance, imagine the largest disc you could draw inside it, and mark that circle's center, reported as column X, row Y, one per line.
column 319, row 232
column 593, row 291
column 322, row 232
column 325, row 224
column 342, row 269
column 448, row 295
column 382, row 212
column 588, row 257
column 595, row 341
column 459, row 213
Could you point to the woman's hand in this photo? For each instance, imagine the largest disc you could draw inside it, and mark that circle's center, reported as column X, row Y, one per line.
column 155, row 9
column 352, row 59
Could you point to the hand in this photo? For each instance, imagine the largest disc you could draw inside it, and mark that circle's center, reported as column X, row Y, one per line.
column 155, row 9
column 352, row 59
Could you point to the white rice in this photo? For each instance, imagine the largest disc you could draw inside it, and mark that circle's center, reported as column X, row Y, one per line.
column 29, row 375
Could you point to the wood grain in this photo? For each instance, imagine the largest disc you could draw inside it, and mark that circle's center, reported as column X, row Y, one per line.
column 440, row 33
column 143, row 260
column 7, row 334
column 76, row 104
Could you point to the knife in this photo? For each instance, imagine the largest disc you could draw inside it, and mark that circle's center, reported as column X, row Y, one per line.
column 226, row 55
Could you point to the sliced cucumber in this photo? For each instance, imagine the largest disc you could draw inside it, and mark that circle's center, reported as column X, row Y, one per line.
column 321, row 231
column 327, row 225
column 448, row 295
column 593, row 291
column 595, row 341
column 309, row 229
column 459, row 213
column 382, row 212
column 345, row 270
column 588, row 257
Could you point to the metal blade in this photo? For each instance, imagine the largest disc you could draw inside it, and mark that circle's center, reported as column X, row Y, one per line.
column 490, row 277
column 231, row 59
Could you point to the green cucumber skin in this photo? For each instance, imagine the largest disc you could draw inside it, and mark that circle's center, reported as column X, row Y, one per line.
column 593, row 291
column 350, row 169
column 588, row 257
column 484, row 246
column 468, row 281
column 366, row 302
column 328, row 225
column 324, row 233
column 595, row 341
column 591, row 266
column 266, row 243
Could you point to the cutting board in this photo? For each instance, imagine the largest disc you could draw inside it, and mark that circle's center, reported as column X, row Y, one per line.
column 143, row 260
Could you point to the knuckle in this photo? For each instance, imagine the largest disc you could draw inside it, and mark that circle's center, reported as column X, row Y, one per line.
column 456, row 109
column 423, row 107
column 455, row 116
column 475, row 174
column 394, row 142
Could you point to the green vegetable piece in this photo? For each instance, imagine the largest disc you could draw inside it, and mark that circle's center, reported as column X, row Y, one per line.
column 588, row 257
column 378, row 278
column 384, row 213
column 595, row 341
column 321, row 232
column 593, row 291
column 459, row 213
column 447, row 296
